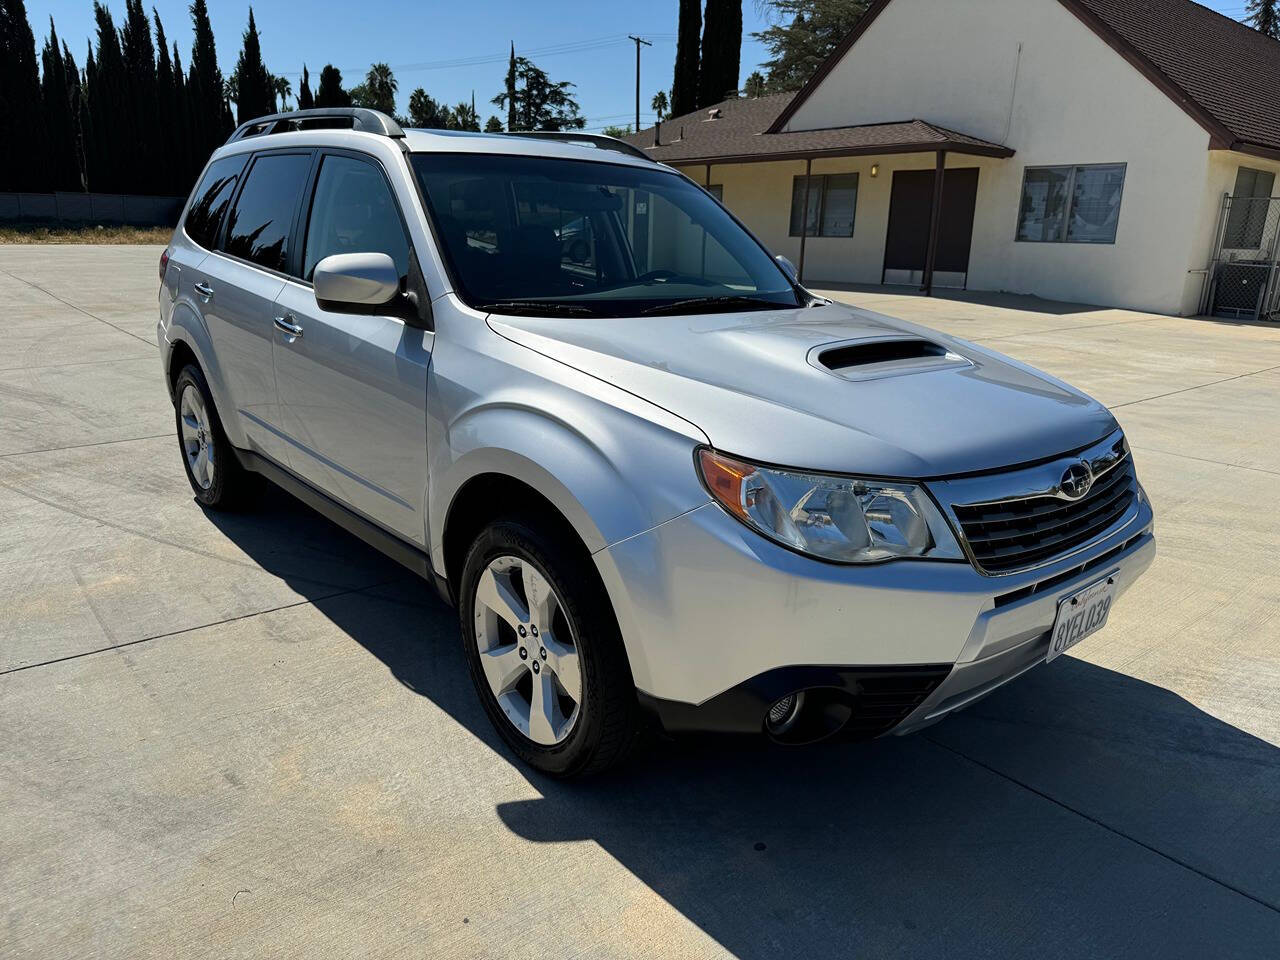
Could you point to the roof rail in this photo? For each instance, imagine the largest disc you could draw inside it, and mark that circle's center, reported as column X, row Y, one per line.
column 598, row 140
column 358, row 118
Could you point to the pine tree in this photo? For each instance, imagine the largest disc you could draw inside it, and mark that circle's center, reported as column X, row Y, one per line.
column 21, row 110
column 305, row 100
column 684, row 87
column 255, row 93
column 330, row 92
column 534, row 102
column 60, row 116
column 803, row 36
column 210, row 122
column 1263, row 16
column 721, row 51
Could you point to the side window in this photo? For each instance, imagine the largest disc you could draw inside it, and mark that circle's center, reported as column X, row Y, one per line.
column 211, row 198
column 353, row 212
column 258, row 229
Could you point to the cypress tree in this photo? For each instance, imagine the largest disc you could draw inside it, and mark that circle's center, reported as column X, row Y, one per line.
column 305, row 100
column 255, row 93
column 79, row 109
column 170, row 166
column 684, row 86
column 721, row 51
column 330, row 92
column 21, row 110
column 108, row 112
column 511, row 89
column 144, row 146
column 188, row 163
column 209, row 121
column 88, row 130
column 64, row 166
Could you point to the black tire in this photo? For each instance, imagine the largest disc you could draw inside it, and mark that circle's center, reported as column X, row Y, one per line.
column 230, row 484
column 609, row 721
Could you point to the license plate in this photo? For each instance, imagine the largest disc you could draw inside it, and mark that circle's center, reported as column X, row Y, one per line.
column 1080, row 615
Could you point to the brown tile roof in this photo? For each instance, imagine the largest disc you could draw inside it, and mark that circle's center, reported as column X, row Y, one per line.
column 1227, row 70
column 1223, row 73
column 739, row 134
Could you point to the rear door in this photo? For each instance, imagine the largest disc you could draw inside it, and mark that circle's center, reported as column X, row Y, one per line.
column 242, row 279
column 353, row 388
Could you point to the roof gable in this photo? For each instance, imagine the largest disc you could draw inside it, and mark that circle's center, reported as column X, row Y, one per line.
column 1222, row 73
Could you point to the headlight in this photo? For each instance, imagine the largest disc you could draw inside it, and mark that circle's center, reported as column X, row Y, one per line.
column 843, row 519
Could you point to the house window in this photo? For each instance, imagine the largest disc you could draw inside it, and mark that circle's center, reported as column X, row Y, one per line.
column 1071, row 204
column 717, row 191
column 833, row 201
column 1250, row 205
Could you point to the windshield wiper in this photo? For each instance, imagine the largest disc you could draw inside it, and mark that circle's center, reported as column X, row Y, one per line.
column 726, row 303
column 537, row 308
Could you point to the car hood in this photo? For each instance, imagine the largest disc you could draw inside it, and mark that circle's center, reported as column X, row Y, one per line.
column 831, row 388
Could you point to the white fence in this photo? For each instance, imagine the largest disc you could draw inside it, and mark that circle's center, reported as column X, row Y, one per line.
column 92, row 208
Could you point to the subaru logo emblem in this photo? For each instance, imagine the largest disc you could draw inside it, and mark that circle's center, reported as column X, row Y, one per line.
column 1076, row 480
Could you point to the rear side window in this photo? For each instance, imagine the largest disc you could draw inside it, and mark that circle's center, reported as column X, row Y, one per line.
column 260, row 222
column 353, row 212
column 211, row 198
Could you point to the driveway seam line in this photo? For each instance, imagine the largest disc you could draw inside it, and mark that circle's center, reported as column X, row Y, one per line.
column 73, row 306
column 1217, row 463
column 201, row 626
column 82, row 446
column 1079, row 326
column 1198, row 386
column 1105, row 826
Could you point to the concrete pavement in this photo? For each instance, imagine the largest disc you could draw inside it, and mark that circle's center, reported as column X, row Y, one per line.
column 249, row 735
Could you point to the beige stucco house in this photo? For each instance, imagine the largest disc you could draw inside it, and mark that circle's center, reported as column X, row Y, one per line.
column 1119, row 152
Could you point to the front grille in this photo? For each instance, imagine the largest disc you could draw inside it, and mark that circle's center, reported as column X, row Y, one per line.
column 1012, row 535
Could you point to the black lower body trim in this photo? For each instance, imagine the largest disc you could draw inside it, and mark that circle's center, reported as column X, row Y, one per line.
column 404, row 553
column 856, row 703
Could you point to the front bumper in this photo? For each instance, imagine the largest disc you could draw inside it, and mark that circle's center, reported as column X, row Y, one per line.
column 719, row 622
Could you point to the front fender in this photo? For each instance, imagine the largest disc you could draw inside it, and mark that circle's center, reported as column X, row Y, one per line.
column 610, row 483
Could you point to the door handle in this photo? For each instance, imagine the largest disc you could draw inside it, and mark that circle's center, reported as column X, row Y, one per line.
column 204, row 290
column 285, row 324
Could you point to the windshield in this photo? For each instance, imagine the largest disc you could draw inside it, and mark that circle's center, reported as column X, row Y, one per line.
column 571, row 237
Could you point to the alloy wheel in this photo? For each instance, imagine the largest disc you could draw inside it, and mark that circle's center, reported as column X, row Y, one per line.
column 528, row 650
column 197, row 435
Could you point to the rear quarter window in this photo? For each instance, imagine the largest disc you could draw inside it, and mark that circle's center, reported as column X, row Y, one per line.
column 211, row 198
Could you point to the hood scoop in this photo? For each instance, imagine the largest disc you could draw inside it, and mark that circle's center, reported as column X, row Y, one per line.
column 871, row 359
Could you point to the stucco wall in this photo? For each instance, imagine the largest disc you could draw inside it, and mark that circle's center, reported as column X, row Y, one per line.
column 1026, row 73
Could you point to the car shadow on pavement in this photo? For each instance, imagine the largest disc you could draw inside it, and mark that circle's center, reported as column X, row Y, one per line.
column 1076, row 812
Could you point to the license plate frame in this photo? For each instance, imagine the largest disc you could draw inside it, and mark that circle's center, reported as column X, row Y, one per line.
column 1080, row 615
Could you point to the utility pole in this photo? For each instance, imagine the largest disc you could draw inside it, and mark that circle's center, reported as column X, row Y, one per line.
column 638, row 41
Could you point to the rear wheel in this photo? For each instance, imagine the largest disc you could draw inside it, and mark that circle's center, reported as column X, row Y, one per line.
column 215, row 475
column 545, row 652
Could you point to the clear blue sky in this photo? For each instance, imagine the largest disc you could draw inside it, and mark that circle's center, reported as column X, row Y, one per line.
column 450, row 49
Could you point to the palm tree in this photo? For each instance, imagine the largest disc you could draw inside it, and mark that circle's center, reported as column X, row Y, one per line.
column 659, row 103
column 284, row 90
column 381, row 86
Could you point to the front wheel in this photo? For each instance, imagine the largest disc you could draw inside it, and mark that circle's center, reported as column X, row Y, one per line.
column 545, row 652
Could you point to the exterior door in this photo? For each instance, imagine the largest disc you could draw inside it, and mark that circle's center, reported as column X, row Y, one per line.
column 910, row 211
column 353, row 388
column 241, row 281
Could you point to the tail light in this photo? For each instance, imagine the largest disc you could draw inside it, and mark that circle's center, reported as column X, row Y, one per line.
column 164, row 263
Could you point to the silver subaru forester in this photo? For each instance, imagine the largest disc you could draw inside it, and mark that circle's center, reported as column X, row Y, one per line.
column 663, row 483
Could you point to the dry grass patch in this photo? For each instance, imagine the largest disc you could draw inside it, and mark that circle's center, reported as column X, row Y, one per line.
column 27, row 233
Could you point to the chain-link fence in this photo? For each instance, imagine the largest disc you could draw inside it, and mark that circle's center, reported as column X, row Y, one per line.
column 1243, row 279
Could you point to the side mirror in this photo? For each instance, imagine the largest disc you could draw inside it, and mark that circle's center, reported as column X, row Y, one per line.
column 356, row 283
column 787, row 266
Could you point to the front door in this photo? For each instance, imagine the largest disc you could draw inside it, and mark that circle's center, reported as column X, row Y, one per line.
column 910, row 210
column 353, row 388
